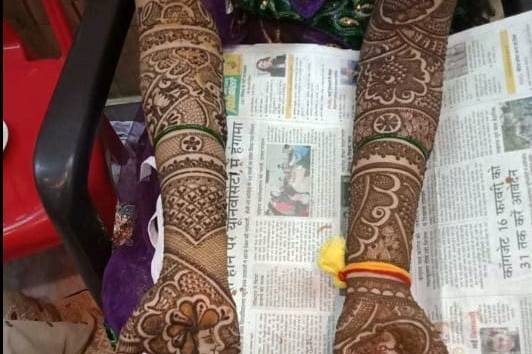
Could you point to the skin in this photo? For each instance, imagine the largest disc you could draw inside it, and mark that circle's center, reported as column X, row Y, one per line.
column 398, row 106
column 190, row 309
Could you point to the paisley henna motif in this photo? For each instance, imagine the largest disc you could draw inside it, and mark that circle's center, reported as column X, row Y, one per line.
column 398, row 103
column 385, row 218
column 190, row 309
column 402, row 62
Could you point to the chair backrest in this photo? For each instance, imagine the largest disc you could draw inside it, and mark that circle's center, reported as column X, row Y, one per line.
column 70, row 173
column 28, row 87
column 29, row 84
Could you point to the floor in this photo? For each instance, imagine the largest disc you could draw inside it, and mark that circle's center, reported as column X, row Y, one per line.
column 47, row 287
column 49, row 276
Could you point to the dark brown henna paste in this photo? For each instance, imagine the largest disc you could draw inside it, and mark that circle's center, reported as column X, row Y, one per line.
column 398, row 105
column 190, row 309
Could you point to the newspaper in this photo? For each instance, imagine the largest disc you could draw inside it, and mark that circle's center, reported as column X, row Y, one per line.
column 472, row 255
column 282, row 98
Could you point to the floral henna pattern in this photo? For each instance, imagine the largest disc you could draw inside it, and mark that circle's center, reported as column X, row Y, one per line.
column 402, row 62
column 187, row 313
column 180, row 66
column 392, row 80
column 190, row 309
column 411, row 123
column 398, row 104
column 383, row 318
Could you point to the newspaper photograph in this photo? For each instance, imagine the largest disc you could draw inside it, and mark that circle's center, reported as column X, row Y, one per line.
column 288, row 180
column 289, row 149
column 290, row 82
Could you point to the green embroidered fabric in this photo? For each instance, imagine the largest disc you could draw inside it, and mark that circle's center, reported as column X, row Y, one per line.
column 344, row 19
column 347, row 19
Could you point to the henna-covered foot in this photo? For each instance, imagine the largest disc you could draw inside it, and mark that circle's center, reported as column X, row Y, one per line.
column 381, row 317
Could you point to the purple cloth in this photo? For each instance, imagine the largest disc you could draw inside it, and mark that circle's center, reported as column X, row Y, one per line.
column 127, row 180
column 259, row 30
column 241, row 28
column 127, row 275
column 307, row 8
column 228, row 25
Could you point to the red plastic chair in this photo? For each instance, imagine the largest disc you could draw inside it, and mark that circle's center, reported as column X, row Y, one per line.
column 28, row 88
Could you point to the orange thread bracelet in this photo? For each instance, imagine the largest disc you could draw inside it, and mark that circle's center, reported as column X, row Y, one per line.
column 331, row 260
column 379, row 268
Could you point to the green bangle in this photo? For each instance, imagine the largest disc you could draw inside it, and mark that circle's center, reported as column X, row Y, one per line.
column 111, row 335
column 409, row 140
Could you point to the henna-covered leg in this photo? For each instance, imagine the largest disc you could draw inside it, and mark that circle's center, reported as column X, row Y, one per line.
column 398, row 106
column 190, row 309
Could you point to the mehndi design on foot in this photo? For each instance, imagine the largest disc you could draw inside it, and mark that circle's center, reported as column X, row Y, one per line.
column 190, row 309
column 398, row 106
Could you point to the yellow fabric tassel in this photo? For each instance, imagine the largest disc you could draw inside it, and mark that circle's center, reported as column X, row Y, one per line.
column 332, row 259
